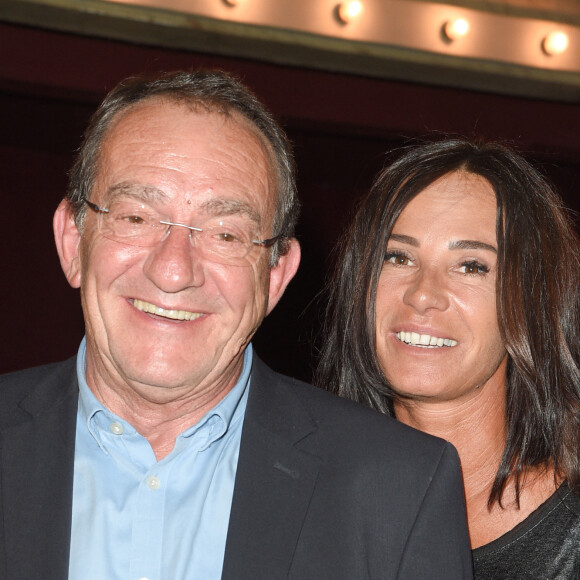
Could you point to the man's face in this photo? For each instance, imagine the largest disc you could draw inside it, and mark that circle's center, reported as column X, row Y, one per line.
column 188, row 166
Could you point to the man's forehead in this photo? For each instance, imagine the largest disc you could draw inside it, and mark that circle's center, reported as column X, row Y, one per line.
column 149, row 118
column 160, row 105
column 156, row 197
column 153, row 111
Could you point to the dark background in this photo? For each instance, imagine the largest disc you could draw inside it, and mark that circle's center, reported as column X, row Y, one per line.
column 341, row 126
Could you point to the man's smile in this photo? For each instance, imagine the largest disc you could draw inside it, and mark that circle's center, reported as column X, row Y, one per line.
column 173, row 314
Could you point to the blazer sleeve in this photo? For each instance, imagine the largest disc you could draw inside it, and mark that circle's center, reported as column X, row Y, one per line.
column 438, row 545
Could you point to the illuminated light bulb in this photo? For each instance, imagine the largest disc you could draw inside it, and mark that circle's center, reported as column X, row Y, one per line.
column 555, row 43
column 347, row 11
column 454, row 29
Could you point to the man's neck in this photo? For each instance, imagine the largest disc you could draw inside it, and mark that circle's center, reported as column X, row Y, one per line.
column 159, row 415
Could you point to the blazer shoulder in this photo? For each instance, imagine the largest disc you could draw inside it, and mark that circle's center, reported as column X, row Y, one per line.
column 40, row 387
column 349, row 426
column 16, row 380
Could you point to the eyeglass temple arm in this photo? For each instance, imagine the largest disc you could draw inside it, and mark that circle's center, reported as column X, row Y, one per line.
column 266, row 243
column 95, row 207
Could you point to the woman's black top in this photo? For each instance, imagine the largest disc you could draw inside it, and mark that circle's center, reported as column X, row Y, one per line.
column 545, row 546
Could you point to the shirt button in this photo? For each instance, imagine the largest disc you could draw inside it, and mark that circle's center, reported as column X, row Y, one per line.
column 153, row 482
column 116, row 428
column 144, row 578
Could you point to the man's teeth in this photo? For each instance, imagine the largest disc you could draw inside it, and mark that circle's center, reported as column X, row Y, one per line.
column 173, row 314
column 425, row 340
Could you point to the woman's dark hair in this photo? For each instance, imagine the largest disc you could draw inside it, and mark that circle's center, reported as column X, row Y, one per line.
column 537, row 294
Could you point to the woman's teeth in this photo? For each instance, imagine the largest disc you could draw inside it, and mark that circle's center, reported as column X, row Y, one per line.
column 425, row 340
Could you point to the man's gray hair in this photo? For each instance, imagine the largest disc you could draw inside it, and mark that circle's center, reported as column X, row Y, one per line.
column 214, row 91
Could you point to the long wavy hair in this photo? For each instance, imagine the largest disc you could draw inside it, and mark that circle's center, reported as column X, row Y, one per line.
column 537, row 296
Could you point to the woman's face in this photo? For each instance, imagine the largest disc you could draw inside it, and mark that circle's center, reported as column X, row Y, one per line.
column 437, row 333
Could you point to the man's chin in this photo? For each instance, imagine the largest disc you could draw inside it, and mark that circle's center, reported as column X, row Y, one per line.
column 159, row 371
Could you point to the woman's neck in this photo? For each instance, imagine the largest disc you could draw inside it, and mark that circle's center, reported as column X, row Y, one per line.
column 476, row 427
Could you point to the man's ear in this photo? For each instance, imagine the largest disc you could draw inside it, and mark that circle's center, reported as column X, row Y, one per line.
column 282, row 273
column 67, row 238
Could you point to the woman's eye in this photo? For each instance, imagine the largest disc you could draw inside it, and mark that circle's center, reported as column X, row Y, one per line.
column 397, row 258
column 473, row 268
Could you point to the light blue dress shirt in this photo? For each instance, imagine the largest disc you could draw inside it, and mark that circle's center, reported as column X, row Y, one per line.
column 135, row 518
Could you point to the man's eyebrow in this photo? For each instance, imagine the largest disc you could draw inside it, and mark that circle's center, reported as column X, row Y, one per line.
column 226, row 207
column 471, row 245
column 456, row 245
column 214, row 207
column 146, row 193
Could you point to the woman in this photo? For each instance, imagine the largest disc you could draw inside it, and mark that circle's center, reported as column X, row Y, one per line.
column 455, row 306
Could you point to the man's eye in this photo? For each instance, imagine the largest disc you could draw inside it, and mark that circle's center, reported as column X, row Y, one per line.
column 226, row 237
column 134, row 220
column 226, row 233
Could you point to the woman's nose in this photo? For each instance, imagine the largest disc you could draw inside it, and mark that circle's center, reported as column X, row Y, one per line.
column 427, row 290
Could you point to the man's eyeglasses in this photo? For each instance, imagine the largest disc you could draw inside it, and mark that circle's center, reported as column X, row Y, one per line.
column 227, row 240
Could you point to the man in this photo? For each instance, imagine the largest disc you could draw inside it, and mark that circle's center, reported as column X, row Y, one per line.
column 166, row 449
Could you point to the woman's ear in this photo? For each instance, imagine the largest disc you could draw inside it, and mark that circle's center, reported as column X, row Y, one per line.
column 67, row 238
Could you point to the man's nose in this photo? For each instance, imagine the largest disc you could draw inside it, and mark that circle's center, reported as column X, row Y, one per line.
column 175, row 263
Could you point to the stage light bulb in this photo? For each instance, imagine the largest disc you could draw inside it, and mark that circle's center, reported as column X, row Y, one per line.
column 555, row 43
column 454, row 29
column 348, row 11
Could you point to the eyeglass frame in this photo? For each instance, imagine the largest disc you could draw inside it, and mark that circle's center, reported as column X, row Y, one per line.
column 268, row 243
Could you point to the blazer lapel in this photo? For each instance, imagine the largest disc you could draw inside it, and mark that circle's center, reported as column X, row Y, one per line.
column 37, row 463
column 276, row 474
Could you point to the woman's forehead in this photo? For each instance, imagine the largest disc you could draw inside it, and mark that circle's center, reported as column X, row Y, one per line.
column 455, row 204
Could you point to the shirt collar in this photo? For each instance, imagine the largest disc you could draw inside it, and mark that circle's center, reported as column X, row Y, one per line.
column 216, row 421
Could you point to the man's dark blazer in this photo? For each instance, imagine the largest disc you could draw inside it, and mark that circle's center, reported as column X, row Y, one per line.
column 325, row 489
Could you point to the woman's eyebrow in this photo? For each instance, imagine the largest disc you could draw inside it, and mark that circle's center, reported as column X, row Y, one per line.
column 455, row 245
column 471, row 245
column 405, row 240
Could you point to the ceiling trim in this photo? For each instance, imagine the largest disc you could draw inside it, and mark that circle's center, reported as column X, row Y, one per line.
column 174, row 29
